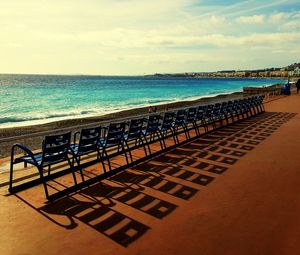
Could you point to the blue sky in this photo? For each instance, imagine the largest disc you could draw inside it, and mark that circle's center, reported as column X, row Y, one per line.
column 143, row 37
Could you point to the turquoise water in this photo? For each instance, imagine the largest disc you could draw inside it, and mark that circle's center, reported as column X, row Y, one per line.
column 31, row 99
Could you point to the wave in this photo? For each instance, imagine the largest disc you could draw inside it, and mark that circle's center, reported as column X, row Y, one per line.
column 17, row 119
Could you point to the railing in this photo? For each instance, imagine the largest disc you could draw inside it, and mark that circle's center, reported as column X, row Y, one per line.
column 274, row 90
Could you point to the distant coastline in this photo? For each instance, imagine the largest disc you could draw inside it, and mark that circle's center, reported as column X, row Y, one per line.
column 203, row 76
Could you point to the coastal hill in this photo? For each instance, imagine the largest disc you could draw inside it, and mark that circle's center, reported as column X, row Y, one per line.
column 292, row 70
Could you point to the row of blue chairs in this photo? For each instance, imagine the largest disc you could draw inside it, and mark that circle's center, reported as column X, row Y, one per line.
column 123, row 137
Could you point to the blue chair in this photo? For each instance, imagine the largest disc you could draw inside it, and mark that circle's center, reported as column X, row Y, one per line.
column 216, row 115
column 205, row 116
column 88, row 143
column 166, row 126
column 55, row 150
column 220, row 114
column 180, row 122
column 113, row 137
column 134, row 135
column 229, row 111
column 191, row 118
column 152, row 130
column 246, row 107
column 258, row 102
column 238, row 109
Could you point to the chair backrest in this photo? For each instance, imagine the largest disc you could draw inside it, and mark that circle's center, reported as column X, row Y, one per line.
column 261, row 98
column 229, row 104
column 89, row 138
column 236, row 104
column 209, row 110
column 55, row 148
column 115, row 133
column 168, row 120
column 181, row 116
column 135, row 128
column 243, row 103
column 191, row 114
column 153, row 124
column 229, row 107
column 201, row 110
column 216, row 108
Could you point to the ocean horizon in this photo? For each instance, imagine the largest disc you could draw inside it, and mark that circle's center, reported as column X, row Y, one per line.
column 36, row 99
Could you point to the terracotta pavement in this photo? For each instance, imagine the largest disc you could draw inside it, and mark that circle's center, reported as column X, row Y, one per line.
column 233, row 191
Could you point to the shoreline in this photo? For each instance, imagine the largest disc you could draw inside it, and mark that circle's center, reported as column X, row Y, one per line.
column 45, row 121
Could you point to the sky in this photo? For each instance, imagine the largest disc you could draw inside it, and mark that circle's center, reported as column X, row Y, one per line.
column 136, row 37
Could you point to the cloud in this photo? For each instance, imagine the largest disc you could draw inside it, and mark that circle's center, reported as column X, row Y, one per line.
column 279, row 16
column 254, row 19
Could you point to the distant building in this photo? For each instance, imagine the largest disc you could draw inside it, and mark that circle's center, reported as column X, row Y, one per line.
column 296, row 72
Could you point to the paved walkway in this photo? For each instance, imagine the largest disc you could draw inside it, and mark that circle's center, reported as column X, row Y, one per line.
column 234, row 191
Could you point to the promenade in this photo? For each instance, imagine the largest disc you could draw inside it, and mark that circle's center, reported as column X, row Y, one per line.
column 233, row 191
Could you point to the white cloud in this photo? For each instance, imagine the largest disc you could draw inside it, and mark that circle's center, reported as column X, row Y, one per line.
column 254, row 19
column 279, row 16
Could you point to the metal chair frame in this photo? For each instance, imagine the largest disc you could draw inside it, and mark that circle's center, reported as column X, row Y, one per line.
column 134, row 133
column 88, row 143
column 113, row 136
column 152, row 132
column 54, row 150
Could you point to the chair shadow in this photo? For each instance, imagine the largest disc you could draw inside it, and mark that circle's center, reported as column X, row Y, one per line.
column 98, row 216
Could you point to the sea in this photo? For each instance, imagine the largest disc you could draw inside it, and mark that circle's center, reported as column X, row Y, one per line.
column 35, row 99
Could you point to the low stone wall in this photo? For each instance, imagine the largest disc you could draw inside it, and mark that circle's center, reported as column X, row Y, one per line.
column 272, row 90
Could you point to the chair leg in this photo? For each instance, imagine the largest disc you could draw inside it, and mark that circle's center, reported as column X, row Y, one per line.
column 174, row 135
column 125, row 154
column 205, row 124
column 99, row 157
column 40, row 169
column 161, row 140
column 73, row 173
column 12, row 156
column 186, row 132
column 11, row 176
column 107, row 158
column 164, row 139
column 129, row 151
column 80, row 168
column 144, row 146
column 147, row 144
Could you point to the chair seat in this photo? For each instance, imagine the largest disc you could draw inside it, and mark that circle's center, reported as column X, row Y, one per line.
column 103, row 143
column 75, row 150
column 29, row 160
column 132, row 136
